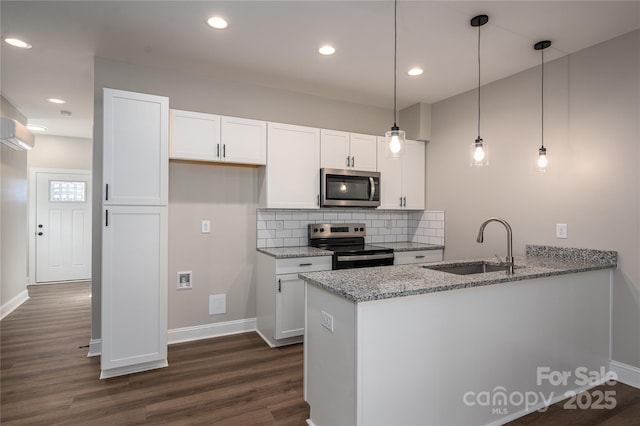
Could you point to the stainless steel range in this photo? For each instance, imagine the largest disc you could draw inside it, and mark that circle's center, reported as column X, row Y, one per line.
column 346, row 240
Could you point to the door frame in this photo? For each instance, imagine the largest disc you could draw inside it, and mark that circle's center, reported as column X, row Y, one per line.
column 32, row 201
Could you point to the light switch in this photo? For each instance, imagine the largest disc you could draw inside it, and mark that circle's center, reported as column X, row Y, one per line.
column 206, row 226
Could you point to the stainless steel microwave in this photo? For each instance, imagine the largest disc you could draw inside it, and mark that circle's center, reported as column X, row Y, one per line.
column 349, row 188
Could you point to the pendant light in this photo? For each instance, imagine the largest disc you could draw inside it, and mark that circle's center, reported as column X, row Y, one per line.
column 395, row 137
column 543, row 161
column 479, row 150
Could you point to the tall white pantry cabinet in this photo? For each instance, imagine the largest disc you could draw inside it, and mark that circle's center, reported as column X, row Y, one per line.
column 134, row 232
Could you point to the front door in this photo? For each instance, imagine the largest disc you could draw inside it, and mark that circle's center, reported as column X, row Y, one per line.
column 63, row 226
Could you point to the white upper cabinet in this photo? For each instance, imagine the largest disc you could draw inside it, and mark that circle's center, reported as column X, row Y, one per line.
column 402, row 180
column 244, row 141
column 209, row 137
column 194, row 136
column 135, row 148
column 292, row 176
column 334, row 149
column 344, row 150
column 364, row 153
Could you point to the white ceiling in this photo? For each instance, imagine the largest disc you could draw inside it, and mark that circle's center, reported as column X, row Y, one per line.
column 273, row 43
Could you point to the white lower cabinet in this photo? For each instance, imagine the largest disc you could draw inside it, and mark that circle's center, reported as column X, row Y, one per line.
column 134, row 289
column 417, row 256
column 280, row 308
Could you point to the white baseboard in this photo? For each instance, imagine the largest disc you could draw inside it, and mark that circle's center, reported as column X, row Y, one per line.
column 95, row 348
column 627, row 374
column 131, row 369
column 206, row 331
column 12, row 304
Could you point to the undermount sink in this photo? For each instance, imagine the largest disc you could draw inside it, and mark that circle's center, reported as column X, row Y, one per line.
column 469, row 268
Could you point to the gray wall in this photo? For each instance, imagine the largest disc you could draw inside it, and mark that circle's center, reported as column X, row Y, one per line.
column 60, row 152
column 221, row 261
column 13, row 215
column 592, row 133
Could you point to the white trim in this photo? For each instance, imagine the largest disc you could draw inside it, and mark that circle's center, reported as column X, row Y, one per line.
column 95, row 348
column 560, row 397
column 206, row 331
column 627, row 374
column 131, row 369
column 31, row 278
column 12, row 304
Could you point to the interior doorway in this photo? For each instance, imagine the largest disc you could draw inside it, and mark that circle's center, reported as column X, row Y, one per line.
column 60, row 225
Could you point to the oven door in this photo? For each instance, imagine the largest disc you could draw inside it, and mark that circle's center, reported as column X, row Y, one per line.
column 349, row 188
column 348, row 261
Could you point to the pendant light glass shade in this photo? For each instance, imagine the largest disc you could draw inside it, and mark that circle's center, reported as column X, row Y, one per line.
column 479, row 150
column 395, row 142
column 543, row 162
column 395, row 137
column 479, row 153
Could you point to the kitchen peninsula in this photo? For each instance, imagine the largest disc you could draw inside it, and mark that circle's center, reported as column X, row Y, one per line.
column 413, row 345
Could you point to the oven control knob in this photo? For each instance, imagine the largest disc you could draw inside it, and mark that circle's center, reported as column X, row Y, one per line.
column 321, row 229
column 315, row 229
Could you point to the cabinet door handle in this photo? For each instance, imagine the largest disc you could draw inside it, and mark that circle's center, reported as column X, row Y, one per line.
column 218, row 150
column 106, row 192
column 400, row 201
column 306, row 264
column 404, row 201
column 353, row 161
column 279, row 285
column 106, row 218
column 224, row 150
column 420, row 257
column 318, row 202
column 348, row 157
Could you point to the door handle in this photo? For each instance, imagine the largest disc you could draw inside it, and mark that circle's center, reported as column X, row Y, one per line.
column 348, row 157
column 279, row 285
column 353, row 161
column 218, row 150
column 40, row 233
column 372, row 192
column 224, row 150
column 404, row 201
column 106, row 192
column 40, row 225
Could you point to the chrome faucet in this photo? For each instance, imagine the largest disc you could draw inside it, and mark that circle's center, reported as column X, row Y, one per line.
column 480, row 239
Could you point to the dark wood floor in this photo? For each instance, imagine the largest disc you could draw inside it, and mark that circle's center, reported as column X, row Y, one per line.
column 46, row 378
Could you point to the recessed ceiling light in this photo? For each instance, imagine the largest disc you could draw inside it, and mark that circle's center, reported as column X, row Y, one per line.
column 415, row 71
column 57, row 101
column 36, row 128
column 16, row 42
column 327, row 50
column 217, row 22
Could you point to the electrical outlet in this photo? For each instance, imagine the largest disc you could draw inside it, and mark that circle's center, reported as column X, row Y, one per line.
column 388, row 224
column 561, row 230
column 206, row 226
column 326, row 320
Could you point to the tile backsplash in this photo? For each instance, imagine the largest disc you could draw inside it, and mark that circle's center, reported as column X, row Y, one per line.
column 288, row 228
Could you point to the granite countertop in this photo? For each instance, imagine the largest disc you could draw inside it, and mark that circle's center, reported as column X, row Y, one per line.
column 409, row 246
column 290, row 252
column 385, row 282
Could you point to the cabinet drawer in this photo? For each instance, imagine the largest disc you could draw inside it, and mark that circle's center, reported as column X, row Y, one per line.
column 303, row 264
column 418, row 256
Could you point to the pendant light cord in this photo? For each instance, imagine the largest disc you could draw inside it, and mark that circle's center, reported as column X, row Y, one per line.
column 542, row 98
column 478, row 82
column 395, row 60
